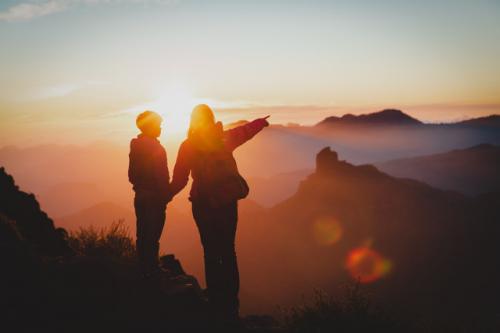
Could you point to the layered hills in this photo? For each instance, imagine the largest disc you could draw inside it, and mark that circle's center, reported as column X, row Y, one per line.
column 470, row 171
column 426, row 252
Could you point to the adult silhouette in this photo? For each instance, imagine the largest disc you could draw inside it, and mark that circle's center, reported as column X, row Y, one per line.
column 148, row 173
column 207, row 154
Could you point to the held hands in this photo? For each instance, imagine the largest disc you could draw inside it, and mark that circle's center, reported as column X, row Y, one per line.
column 167, row 197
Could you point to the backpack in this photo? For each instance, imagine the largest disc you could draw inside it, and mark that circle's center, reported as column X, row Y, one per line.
column 220, row 180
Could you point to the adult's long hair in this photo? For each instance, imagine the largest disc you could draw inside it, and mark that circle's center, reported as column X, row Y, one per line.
column 202, row 118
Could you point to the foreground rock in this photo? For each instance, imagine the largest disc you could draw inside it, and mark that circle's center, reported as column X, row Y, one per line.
column 48, row 285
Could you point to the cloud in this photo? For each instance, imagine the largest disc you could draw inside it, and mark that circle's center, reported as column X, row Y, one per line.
column 63, row 89
column 58, row 91
column 27, row 11
column 30, row 9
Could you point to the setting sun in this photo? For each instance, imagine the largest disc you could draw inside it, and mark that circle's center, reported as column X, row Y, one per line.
column 175, row 104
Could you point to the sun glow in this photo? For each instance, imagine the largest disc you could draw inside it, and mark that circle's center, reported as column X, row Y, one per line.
column 175, row 104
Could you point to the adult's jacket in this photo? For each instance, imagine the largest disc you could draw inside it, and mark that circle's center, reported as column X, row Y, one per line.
column 188, row 158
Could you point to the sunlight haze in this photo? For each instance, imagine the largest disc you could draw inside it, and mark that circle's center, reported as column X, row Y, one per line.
column 68, row 66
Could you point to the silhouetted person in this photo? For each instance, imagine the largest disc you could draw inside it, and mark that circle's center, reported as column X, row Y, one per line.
column 207, row 155
column 148, row 172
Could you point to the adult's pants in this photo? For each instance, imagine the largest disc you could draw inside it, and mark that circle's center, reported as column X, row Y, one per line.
column 217, row 227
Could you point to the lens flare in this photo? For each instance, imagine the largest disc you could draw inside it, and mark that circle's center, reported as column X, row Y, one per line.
column 367, row 265
column 327, row 231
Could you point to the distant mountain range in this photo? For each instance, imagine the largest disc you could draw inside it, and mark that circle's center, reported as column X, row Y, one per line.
column 492, row 121
column 394, row 117
column 70, row 178
column 384, row 117
column 472, row 171
column 371, row 138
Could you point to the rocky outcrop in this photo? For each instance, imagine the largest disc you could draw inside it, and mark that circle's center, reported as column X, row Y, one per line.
column 32, row 223
column 325, row 159
column 328, row 164
column 41, row 290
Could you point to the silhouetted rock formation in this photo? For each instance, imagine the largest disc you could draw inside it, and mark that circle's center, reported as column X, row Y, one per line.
column 325, row 159
column 328, row 164
column 32, row 223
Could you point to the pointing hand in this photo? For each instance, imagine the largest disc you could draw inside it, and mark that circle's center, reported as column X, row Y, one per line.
column 264, row 120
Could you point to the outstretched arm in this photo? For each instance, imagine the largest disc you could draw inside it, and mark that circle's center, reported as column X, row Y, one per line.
column 181, row 170
column 237, row 136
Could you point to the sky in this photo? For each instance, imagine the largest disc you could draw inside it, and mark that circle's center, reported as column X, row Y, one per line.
column 81, row 70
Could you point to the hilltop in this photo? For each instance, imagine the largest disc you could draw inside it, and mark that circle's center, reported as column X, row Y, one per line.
column 390, row 117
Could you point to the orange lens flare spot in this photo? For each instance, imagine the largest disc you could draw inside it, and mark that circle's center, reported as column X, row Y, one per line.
column 327, row 231
column 367, row 265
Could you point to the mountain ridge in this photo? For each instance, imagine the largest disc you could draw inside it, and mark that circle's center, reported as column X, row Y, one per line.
column 398, row 117
column 383, row 117
column 471, row 171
